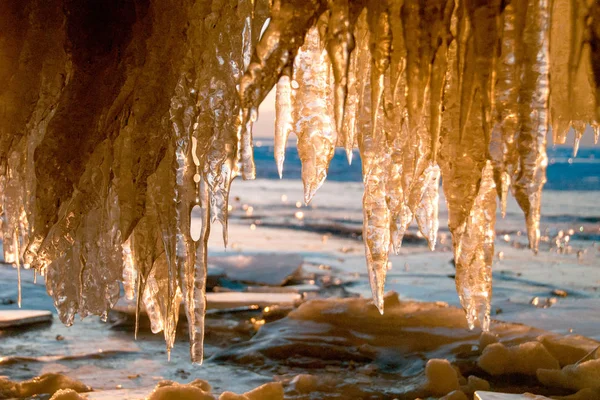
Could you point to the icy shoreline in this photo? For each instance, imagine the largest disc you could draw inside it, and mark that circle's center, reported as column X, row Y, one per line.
column 333, row 265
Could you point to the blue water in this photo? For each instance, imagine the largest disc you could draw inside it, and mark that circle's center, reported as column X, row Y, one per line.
column 564, row 172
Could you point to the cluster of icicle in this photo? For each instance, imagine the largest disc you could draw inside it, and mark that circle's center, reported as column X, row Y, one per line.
column 457, row 89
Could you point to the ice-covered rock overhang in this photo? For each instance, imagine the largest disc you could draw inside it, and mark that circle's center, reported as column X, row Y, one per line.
column 118, row 118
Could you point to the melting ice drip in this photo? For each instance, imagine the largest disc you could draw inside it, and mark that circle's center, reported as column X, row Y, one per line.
column 97, row 182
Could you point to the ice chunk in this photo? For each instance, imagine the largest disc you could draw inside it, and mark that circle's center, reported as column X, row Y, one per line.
column 455, row 395
column 49, row 383
column 197, row 390
column 66, row 394
column 442, row 378
column 264, row 269
column 527, row 359
column 13, row 318
column 483, row 395
column 568, row 349
column 576, row 376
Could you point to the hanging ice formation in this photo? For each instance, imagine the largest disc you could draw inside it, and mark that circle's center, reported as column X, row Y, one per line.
column 118, row 120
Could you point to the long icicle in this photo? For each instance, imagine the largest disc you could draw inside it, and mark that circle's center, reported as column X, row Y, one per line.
column 313, row 114
column 533, row 118
column 290, row 21
column 200, row 274
column 283, row 119
column 474, row 262
column 340, row 43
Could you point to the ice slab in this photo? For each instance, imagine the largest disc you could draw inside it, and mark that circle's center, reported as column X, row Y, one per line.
column 14, row 318
column 265, row 269
column 240, row 299
column 224, row 300
column 123, row 394
column 480, row 395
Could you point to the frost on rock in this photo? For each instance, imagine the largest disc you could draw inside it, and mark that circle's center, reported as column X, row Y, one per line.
column 114, row 136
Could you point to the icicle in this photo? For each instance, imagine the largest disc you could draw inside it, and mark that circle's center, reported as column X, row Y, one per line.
column 164, row 298
column 465, row 64
column 581, row 93
column 485, row 24
column 86, row 198
column 400, row 213
column 155, row 295
column 358, row 77
column 427, row 30
column 475, row 252
column 100, row 288
column 427, row 212
column 561, row 41
column 571, row 95
column 594, row 38
column 398, row 54
column 376, row 230
column 313, row 113
column 397, row 128
column 503, row 144
column 376, row 220
column 220, row 163
column 340, row 43
column 66, row 293
column 129, row 273
column 469, row 197
column 177, row 240
column 198, row 297
column 402, row 78
column 138, row 304
column 246, row 153
column 505, row 182
column 415, row 86
column 11, row 188
column 375, row 157
column 438, row 74
column 18, row 263
column 155, row 244
column 579, row 128
column 416, row 150
column 290, row 21
column 146, row 247
column 380, row 47
column 533, row 118
column 283, row 120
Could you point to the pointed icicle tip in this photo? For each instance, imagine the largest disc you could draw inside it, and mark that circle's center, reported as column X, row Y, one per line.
column 198, row 362
column 576, row 146
column 377, row 274
column 225, row 237
column 379, row 304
